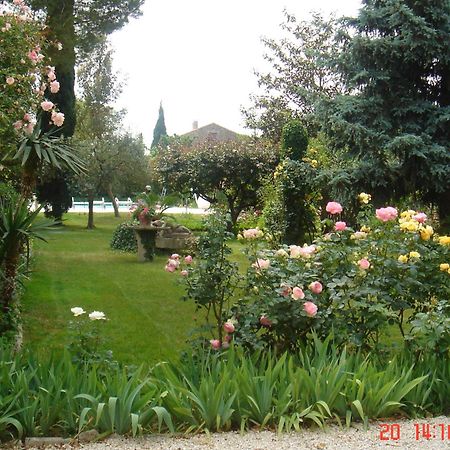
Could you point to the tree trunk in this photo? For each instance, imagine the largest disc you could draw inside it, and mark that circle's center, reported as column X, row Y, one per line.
column 90, row 224
column 113, row 201
column 61, row 26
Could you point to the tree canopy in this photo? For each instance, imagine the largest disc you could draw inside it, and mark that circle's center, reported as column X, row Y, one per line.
column 160, row 127
column 395, row 123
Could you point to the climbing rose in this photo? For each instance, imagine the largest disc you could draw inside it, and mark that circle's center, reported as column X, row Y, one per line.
column 261, row 264
column 54, row 87
column 47, row 106
column 58, row 118
column 188, row 259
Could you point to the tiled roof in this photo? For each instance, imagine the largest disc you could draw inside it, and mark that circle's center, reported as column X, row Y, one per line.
column 212, row 131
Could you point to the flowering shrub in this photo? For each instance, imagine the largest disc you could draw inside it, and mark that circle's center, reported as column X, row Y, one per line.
column 86, row 340
column 390, row 271
column 25, row 73
column 211, row 280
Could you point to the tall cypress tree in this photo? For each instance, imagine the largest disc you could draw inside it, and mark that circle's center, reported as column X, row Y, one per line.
column 396, row 60
column 160, row 127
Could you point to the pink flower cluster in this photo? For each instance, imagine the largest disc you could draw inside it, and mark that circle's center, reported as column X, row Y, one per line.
column 305, row 252
column 252, row 233
column 298, row 294
column 386, row 214
column 26, row 124
column 229, row 328
column 174, row 262
column 261, row 264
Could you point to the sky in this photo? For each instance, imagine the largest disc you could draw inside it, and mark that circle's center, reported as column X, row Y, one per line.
column 199, row 57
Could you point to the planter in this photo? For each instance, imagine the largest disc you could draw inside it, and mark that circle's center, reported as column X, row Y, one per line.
column 146, row 242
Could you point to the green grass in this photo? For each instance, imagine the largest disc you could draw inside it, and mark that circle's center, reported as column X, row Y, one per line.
column 147, row 321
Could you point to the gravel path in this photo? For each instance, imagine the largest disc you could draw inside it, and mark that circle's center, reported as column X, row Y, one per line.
column 332, row 438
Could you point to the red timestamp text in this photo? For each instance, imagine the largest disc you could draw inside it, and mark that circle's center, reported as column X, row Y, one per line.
column 427, row 431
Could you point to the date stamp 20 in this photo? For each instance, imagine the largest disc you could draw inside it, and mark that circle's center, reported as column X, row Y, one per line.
column 422, row 431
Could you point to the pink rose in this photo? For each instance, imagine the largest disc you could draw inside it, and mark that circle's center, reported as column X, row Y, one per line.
column 261, row 264
column 47, row 106
column 27, row 117
column 364, row 263
column 310, row 309
column 170, row 268
column 184, row 273
column 51, row 75
column 58, row 118
column 54, row 87
column 386, row 214
column 316, row 287
column 10, row 80
column 228, row 338
column 265, row 321
column 33, row 56
column 228, row 327
column 215, row 344
column 18, row 124
column 297, row 293
column 340, row 226
column 420, row 217
column 188, row 259
column 174, row 262
column 305, row 252
column 29, row 128
column 175, row 256
column 333, row 208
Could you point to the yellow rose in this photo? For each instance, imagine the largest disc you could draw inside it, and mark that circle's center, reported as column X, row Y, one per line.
column 426, row 232
column 444, row 267
column 365, row 229
column 414, row 255
column 413, row 226
column 403, row 259
column 444, row 240
column 364, row 198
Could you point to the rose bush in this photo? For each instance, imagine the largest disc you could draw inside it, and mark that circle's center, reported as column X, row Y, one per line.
column 355, row 282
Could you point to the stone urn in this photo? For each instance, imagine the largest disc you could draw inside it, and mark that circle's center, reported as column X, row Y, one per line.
column 173, row 238
column 146, row 241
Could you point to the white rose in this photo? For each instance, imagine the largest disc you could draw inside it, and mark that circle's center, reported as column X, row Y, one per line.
column 97, row 315
column 77, row 311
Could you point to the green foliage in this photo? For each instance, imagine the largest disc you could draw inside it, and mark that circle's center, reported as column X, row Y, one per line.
column 124, row 238
column 298, row 78
column 227, row 173
column 396, row 62
column 294, row 140
column 212, row 280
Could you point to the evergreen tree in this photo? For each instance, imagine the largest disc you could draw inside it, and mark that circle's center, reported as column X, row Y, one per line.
column 396, row 60
column 160, row 127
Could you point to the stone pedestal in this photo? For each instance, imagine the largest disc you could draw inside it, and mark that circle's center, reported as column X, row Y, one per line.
column 146, row 242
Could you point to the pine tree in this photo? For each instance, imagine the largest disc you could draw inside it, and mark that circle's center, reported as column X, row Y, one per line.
column 160, row 127
column 396, row 60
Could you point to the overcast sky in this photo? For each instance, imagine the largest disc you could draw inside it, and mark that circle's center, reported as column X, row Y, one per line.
column 198, row 57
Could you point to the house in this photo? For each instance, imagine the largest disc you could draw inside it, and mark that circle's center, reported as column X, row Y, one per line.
column 211, row 132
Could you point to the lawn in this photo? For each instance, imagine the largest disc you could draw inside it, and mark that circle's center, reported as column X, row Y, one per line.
column 147, row 321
